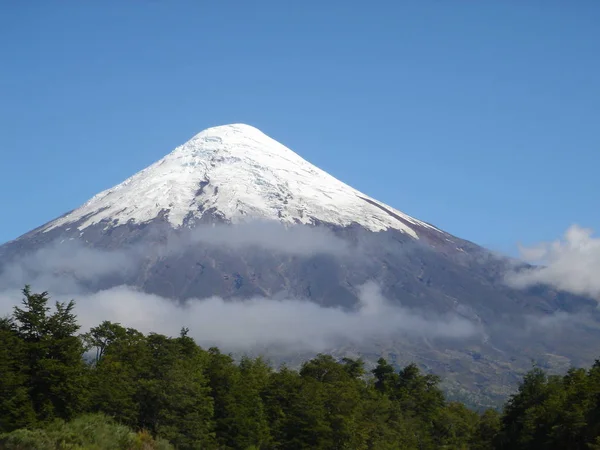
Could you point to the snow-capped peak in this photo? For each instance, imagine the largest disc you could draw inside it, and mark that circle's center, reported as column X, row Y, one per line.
column 240, row 173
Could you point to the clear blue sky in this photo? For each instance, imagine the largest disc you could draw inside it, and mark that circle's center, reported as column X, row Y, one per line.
column 481, row 117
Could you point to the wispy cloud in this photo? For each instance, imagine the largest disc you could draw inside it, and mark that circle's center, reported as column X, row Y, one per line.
column 273, row 236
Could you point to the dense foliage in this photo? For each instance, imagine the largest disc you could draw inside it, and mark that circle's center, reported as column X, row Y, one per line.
column 87, row 432
column 51, row 396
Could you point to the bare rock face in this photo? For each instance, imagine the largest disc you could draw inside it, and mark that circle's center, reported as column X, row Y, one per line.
column 234, row 214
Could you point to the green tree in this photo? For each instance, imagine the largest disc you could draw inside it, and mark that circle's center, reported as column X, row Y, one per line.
column 16, row 408
column 342, row 391
column 254, row 379
column 102, row 336
column 487, row 430
column 456, row 427
column 386, row 378
column 115, row 374
column 175, row 400
column 528, row 414
column 239, row 414
column 53, row 363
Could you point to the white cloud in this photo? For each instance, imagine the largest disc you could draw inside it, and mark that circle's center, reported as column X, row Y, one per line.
column 291, row 324
column 571, row 264
column 61, row 267
column 298, row 240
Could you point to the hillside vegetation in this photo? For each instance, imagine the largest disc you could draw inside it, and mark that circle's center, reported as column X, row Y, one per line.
column 151, row 391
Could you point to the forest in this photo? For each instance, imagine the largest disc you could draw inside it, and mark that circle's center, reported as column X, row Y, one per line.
column 114, row 387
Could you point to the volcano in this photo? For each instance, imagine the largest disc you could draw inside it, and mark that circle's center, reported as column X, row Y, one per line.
column 234, row 214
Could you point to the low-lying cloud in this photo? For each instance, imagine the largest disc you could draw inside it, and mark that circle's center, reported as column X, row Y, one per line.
column 273, row 236
column 62, row 267
column 571, row 264
column 255, row 323
column 66, row 269
column 270, row 236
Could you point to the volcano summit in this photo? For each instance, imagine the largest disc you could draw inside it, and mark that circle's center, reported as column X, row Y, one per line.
column 237, row 173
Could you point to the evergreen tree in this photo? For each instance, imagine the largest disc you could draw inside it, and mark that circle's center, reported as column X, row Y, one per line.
column 53, row 365
column 386, row 378
column 16, row 408
column 175, row 397
column 518, row 421
column 240, row 418
column 488, row 427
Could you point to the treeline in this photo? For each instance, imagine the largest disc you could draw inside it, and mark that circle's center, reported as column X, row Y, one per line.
column 196, row 398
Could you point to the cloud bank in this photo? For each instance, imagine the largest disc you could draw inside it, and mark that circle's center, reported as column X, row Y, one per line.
column 291, row 324
column 571, row 264
column 65, row 267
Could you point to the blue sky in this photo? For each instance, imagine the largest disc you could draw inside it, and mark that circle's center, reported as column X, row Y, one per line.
column 481, row 117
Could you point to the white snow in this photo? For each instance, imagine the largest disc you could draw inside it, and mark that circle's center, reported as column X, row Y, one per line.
column 247, row 175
